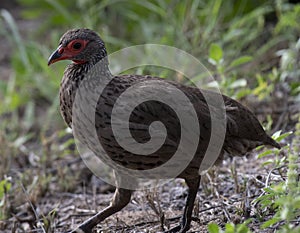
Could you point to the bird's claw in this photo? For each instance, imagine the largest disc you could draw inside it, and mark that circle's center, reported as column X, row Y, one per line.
column 175, row 229
column 78, row 230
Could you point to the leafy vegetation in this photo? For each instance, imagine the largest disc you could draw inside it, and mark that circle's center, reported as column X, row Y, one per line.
column 252, row 48
column 229, row 228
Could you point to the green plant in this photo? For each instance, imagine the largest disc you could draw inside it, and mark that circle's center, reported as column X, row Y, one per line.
column 30, row 79
column 290, row 68
column 5, row 186
column 228, row 81
column 230, row 228
column 283, row 198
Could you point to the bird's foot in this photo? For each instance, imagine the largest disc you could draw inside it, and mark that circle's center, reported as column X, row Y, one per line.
column 176, row 229
column 81, row 230
column 77, row 230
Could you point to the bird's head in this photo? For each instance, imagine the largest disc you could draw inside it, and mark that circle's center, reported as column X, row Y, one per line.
column 81, row 46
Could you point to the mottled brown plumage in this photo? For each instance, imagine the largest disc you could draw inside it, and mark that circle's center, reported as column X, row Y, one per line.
column 85, row 48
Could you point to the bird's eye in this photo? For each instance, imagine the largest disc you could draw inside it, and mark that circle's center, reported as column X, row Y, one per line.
column 76, row 45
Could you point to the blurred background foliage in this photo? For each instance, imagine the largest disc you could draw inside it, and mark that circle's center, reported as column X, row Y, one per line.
column 247, row 45
column 251, row 47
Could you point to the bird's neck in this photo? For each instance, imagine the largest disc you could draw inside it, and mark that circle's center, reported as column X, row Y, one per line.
column 98, row 70
column 86, row 76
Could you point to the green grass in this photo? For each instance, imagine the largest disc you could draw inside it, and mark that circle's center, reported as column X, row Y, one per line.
column 250, row 47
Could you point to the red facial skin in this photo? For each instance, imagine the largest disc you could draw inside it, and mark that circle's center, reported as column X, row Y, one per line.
column 68, row 52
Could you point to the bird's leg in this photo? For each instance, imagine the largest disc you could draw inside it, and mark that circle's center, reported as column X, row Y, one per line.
column 193, row 185
column 120, row 200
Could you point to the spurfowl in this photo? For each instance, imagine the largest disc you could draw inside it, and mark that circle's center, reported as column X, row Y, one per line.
column 86, row 49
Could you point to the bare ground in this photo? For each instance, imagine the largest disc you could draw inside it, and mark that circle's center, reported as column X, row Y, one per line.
column 226, row 194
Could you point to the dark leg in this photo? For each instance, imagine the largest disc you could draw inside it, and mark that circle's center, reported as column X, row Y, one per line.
column 120, row 200
column 193, row 185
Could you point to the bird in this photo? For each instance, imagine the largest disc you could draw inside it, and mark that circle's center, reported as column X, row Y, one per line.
column 85, row 48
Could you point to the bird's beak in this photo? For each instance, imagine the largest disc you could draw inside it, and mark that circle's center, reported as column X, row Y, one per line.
column 58, row 55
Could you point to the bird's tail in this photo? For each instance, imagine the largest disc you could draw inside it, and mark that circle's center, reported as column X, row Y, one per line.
column 270, row 141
